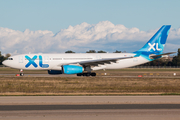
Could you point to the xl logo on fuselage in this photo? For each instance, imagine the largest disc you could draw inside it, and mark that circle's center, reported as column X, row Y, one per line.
column 32, row 62
column 153, row 47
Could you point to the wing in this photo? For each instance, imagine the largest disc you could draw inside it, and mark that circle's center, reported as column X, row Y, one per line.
column 99, row 61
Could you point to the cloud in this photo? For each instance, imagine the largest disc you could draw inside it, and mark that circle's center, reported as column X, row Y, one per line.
column 81, row 38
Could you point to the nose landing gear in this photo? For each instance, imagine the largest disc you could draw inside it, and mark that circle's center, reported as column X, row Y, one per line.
column 21, row 72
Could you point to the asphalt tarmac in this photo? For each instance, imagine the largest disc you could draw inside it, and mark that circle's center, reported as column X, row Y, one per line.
column 87, row 100
column 136, row 114
column 90, row 107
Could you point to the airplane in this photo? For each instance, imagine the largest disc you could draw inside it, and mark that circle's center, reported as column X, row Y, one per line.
column 83, row 64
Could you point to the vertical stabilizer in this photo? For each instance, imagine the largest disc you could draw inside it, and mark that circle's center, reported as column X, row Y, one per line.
column 157, row 42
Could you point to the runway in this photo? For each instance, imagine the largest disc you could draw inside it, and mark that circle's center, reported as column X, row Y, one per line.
column 87, row 100
column 90, row 107
column 135, row 114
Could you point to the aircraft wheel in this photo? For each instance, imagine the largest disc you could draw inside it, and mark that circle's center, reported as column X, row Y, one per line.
column 88, row 74
column 93, row 74
column 79, row 74
column 21, row 74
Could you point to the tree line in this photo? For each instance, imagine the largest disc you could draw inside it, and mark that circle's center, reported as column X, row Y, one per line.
column 159, row 62
column 2, row 58
column 165, row 62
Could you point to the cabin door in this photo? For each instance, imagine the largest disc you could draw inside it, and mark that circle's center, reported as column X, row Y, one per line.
column 46, row 59
column 98, row 57
column 20, row 59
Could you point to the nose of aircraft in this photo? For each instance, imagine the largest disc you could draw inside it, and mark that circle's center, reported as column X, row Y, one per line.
column 4, row 62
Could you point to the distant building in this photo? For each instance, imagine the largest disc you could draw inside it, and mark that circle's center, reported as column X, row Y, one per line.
column 167, row 58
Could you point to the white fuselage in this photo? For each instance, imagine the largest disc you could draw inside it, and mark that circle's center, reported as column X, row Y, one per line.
column 55, row 61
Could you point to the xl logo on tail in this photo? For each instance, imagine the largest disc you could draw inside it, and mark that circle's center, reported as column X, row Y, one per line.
column 153, row 47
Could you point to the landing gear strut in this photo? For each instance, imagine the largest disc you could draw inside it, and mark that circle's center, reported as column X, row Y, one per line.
column 21, row 72
column 87, row 74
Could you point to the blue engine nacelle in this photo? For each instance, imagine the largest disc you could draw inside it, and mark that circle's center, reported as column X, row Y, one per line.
column 55, row 72
column 72, row 69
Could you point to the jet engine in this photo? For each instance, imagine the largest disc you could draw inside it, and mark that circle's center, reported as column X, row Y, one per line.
column 72, row 69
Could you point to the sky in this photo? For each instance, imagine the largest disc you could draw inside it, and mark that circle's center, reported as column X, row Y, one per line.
column 56, row 26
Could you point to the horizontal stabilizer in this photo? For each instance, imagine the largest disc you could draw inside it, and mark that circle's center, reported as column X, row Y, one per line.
column 155, row 56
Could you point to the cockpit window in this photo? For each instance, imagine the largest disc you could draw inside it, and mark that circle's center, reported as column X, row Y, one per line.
column 9, row 58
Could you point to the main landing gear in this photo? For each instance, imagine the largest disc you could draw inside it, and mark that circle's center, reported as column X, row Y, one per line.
column 87, row 74
column 21, row 72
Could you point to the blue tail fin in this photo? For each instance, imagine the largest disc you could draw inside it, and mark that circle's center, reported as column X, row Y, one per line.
column 157, row 42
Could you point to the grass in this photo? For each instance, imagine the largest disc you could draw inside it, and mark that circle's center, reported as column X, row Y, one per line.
column 93, row 85
column 87, row 86
column 7, row 70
